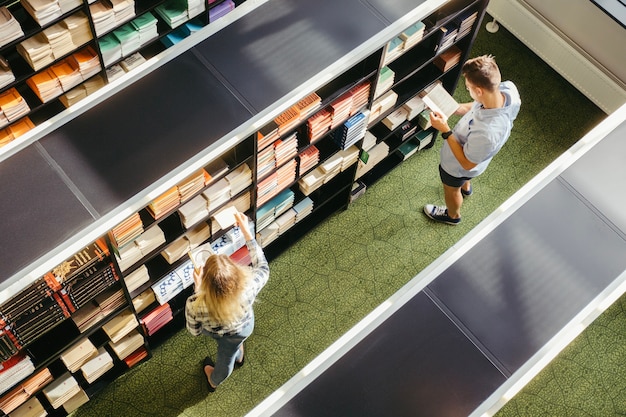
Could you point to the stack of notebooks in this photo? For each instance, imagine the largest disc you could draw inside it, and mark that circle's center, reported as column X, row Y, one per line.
column 61, row 389
column 60, row 40
column 221, row 10
column 376, row 154
column 103, row 16
column 194, row 210
column 348, row 157
column 216, row 169
column 111, row 49
column 193, row 184
column 283, row 202
column 128, row 344
column 12, row 106
column 448, row 58
column 31, row 408
column 43, row 11
column 143, row 300
column 14, row 369
column 308, row 105
column 267, row 235
column 88, row 63
column 18, row 395
column 396, row 118
column 465, row 21
column 137, row 278
column 98, row 308
column 395, row 48
column 383, row 104
column 447, row 35
column 340, row 109
column 120, row 325
column 266, row 161
column 136, row 357
column 127, row 231
column 285, row 221
column 173, row 283
column 45, row 84
column 385, row 81
column 132, row 61
column 243, row 202
column 145, row 243
column 77, row 355
column 331, row 167
column 157, row 318
column 267, row 135
column 265, row 215
column 146, row 25
column 123, row 10
column 303, row 208
column 287, row 120
column 217, row 194
column 312, row 181
column 224, row 218
column 173, row 12
column 68, row 73
column 413, row 34
column 78, row 25
column 195, row 7
column 266, row 188
column 181, row 246
column 351, row 131
column 37, row 51
column 239, row 179
column 285, row 175
column 319, row 124
column 15, row 130
column 308, row 158
column 414, row 107
column 97, row 366
column 128, row 38
column 6, row 77
column 165, row 203
column 75, row 401
column 10, row 28
column 360, row 94
column 286, row 149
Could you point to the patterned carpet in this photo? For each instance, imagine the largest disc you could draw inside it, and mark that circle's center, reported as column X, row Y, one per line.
column 345, row 267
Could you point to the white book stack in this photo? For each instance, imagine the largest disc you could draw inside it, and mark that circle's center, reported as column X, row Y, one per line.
column 31, row 408
column 103, row 16
column 217, row 194
column 146, row 25
column 137, row 278
column 78, row 25
column 10, row 28
column 77, row 355
column 43, row 11
column 123, row 10
column 36, row 51
column 194, row 8
column 61, row 389
column 97, row 366
column 68, row 5
column 128, row 344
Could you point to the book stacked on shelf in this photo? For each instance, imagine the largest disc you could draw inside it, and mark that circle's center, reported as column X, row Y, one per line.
column 43, row 11
column 132, row 61
column 340, row 110
column 217, row 194
column 98, row 308
column 465, row 21
column 164, row 203
column 123, row 10
column 6, row 76
column 303, row 208
column 319, row 124
column 128, row 38
column 448, row 58
column 221, row 10
column 88, row 64
column 59, row 38
column 26, row 389
column 447, row 36
column 394, row 49
column 285, row 221
column 267, row 134
column 424, row 138
column 14, row 369
column 223, row 218
column 173, row 12
column 266, row 189
column 285, row 175
column 193, row 184
column 239, row 179
column 75, row 401
column 413, row 34
column 195, row 7
column 287, row 120
column 351, row 131
column 423, row 119
column 97, row 366
column 111, row 48
column 146, row 25
column 128, row 230
column 128, row 344
column 78, row 25
column 348, row 156
column 144, row 300
column 31, row 408
column 78, row 354
column 311, row 181
column 308, row 105
column 137, row 278
column 369, row 140
column 194, row 210
column 360, row 96
column 10, row 28
column 102, row 16
column 157, row 318
column 407, row 149
column 145, row 243
column 308, row 158
column 191, row 239
column 266, row 161
column 61, row 389
column 286, row 149
column 136, row 357
column 395, row 118
column 414, row 107
column 36, row 51
column 385, row 81
column 120, row 325
column 376, row 154
column 12, row 106
column 383, row 104
column 45, row 84
column 68, row 73
column 173, row 283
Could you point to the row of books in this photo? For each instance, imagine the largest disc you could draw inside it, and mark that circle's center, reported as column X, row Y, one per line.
column 189, row 240
column 157, row 318
column 352, row 130
column 277, row 181
column 12, row 106
column 275, row 155
column 177, row 12
column 385, row 81
column 55, row 41
column 17, row 396
column 406, row 40
column 143, row 245
column 285, row 217
column 328, row 169
column 128, row 38
column 45, row 11
column 14, row 369
column 10, row 28
column 82, row 90
column 108, row 14
column 17, row 129
column 99, row 308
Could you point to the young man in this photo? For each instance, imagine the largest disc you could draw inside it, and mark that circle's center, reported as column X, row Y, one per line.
column 485, row 126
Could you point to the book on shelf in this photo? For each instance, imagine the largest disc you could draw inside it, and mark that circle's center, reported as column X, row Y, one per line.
column 31, row 408
column 395, row 118
column 448, row 58
column 97, row 366
column 78, row 25
column 78, row 354
column 75, row 401
column 10, row 28
column 60, row 40
column 413, row 34
column 43, row 11
column 221, row 10
column 128, row 38
column 146, row 25
column 414, row 107
column 103, row 16
column 407, row 149
column 120, row 325
column 61, row 389
column 173, row 12
column 438, row 100
column 37, row 51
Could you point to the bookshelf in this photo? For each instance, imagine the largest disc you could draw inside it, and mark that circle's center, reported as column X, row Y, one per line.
column 145, row 170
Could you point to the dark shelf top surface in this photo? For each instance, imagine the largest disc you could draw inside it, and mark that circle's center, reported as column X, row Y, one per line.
column 269, row 53
column 394, row 10
column 38, row 210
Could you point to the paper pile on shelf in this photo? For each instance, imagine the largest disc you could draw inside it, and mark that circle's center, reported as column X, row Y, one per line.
column 68, row 73
column 331, row 166
column 43, row 11
column 348, row 156
column 127, row 230
column 217, row 194
column 146, row 25
column 376, row 154
column 174, row 12
column 128, row 38
column 67, row 5
column 303, row 208
column 157, row 318
column 10, row 28
column 77, row 355
column 143, row 300
column 395, row 118
column 103, row 16
column 123, row 10
column 243, row 202
column 360, row 94
column 61, row 389
column 36, row 51
column 413, row 34
column 136, row 357
column 448, row 58
column 173, row 283
column 97, row 309
column 188, row 241
column 195, row 7
column 286, row 149
column 18, row 395
column 340, row 109
column 383, row 104
column 88, row 63
column 267, row 134
column 78, row 25
column 45, row 84
column 145, row 243
column 285, row 175
column 128, row 344
column 110, row 48
column 6, row 77
column 97, row 366
column 239, row 179
column 308, row 158
column 312, row 181
column 31, row 408
column 395, row 48
column 194, row 210
column 465, row 21
column 120, row 325
column 137, row 278
column 132, row 61
column 266, row 161
column 15, row 130
column 351, row 131
column 285, row 221
column 447, row 35
column 193, row 184
column 12, row 106
column 60, row 40
column 75, row 401
column 164, row 203
column 268, row 234
column 287, row 120
column 221, row 10
column 14, row 370
column 308, row 105
column 319, row 124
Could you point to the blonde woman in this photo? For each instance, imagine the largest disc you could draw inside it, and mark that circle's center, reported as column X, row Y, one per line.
column 221, row 305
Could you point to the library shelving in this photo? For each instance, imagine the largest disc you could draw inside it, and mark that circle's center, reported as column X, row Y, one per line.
column 280, row 114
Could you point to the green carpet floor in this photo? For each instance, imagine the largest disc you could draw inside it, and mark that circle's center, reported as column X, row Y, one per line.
column 343, row 269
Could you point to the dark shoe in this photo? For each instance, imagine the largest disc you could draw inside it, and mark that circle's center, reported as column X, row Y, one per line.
column 239, row 364
column 468, row 192
column 208, row 362
column 440, row 214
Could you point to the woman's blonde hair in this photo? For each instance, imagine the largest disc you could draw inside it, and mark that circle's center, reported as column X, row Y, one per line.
column 223, row 283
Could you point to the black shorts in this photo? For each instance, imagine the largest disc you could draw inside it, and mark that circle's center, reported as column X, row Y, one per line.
column 451, row 181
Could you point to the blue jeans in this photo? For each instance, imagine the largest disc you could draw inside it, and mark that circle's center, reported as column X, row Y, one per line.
column 228, row 352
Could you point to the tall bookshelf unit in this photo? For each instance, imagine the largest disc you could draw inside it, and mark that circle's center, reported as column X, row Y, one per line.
column 103, row 265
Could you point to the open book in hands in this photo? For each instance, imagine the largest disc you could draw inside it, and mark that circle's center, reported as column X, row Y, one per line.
column 438, row 100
